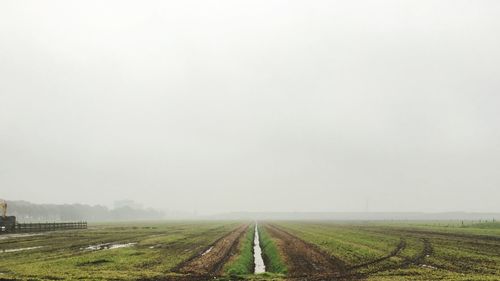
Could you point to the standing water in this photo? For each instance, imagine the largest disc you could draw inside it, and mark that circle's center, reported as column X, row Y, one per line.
column 257, row 254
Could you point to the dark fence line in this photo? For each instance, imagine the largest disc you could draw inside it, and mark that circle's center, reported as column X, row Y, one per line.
column 48, row 226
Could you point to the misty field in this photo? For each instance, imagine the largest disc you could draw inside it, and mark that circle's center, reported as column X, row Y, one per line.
column 106, row 252
column 224, row 250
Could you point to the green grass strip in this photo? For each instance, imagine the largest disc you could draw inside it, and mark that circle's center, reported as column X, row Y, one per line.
column 244, row 263
column 270, row 254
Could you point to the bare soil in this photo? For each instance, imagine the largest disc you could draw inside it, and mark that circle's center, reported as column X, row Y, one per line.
column 209, row 261
column 305, row 261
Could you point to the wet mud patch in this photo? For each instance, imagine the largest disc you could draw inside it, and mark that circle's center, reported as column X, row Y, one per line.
column 20, row 249
column 210, row 261
column 107, row 246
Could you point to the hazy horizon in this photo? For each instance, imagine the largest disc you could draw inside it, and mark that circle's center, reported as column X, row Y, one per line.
column 272, row 106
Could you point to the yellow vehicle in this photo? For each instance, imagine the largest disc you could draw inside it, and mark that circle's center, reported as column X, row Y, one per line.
column 3, row 206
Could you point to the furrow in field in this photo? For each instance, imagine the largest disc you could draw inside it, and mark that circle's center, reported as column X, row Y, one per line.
column 210, row 261
column 305, row 259
column 368, row 267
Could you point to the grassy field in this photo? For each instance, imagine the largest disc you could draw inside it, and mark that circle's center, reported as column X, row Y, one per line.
column 140, row 250
column 376, row 251
column 243, row 263
column 272, row 259
column 409, row 251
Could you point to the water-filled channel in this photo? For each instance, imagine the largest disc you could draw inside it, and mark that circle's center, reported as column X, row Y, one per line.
column 257, row 253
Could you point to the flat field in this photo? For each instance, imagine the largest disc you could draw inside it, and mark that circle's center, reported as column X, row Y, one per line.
column 402, row 251
column 372, row 251
column 129, row 251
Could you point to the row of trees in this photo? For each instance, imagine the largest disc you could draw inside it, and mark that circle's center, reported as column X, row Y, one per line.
column 29, row 212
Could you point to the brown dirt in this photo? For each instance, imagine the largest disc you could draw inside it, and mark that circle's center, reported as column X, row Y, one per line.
column 210, row 263
column 305, row 261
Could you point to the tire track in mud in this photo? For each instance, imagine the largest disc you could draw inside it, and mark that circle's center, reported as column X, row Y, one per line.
column 399, row 248
column 303, row 267
column 417, row 260
column 211, row 259
column 306, row 261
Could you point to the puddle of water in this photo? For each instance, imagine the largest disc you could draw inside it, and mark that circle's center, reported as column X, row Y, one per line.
column 207, row 251
column 108, row 246
column 118, row 246
column 257, row 254
column 20, row 249
column 7, row 236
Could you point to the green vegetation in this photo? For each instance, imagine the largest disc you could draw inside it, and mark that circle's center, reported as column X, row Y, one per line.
column 244, row 262
column 270, row 253
column 485, row 225
column 377, row 251
column 347, row 242
column 431, row 251
column 65, row 254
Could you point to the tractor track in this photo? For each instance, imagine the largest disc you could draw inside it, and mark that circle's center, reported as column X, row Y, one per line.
column 399, row 248
column 339, row 271
column 417, row 260
column 211, row 259
column 306, row 261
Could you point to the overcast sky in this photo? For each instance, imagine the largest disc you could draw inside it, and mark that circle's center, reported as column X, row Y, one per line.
column 215, row 106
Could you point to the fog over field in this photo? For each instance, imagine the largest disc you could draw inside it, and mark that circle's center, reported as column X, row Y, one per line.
column 263, row 106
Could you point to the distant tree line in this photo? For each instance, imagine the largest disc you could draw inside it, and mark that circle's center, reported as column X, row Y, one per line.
column 30, row 212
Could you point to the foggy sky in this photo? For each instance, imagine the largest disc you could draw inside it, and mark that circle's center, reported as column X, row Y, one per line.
column 215, row 106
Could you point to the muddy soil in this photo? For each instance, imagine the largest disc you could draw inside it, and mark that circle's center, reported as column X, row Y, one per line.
column 305, row 261
column 210, row 261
